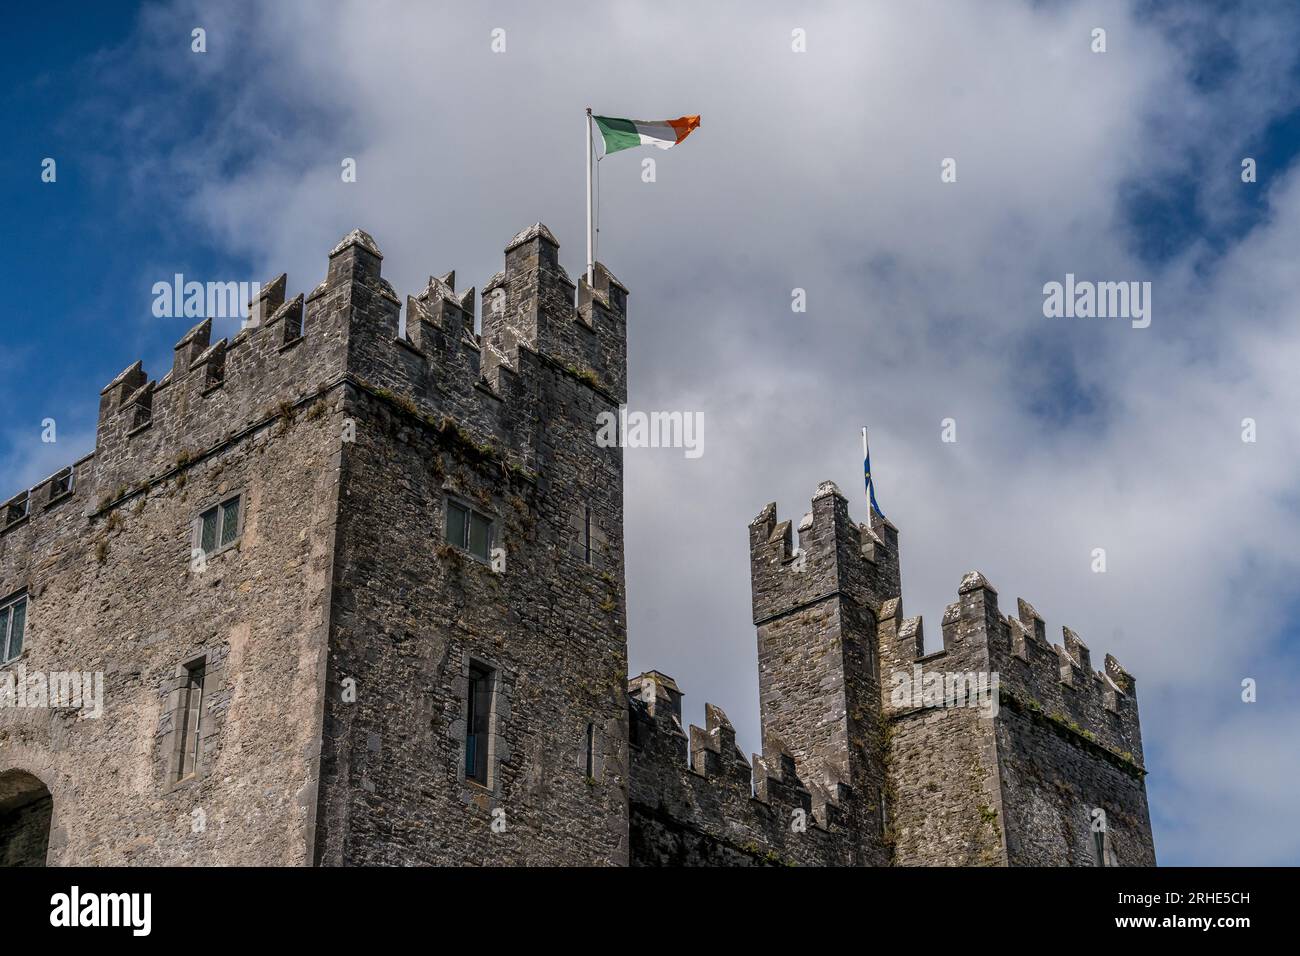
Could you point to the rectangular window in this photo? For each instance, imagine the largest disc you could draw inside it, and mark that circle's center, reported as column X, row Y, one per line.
column 457, row 524
column 480, row 536
column 219, row 526
column 590, row 762
column 478, row 712
column 586, row 537
column 1099, row 846
column 208, row 537
column 229, row 521
column 62, row 483
column 13, row 622
column 16, row 510
column 191, row 719
column 469, row 530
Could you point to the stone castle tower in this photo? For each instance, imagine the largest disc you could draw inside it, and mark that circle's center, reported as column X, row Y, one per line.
column 353, row 588
column 1052, row 775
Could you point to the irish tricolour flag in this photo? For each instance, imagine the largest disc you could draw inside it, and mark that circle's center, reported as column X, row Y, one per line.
column 626, row 133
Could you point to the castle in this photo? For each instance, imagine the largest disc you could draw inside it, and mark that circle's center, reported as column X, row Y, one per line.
column 352, row 591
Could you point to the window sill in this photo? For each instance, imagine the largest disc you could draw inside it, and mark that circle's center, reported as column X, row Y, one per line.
column 15, row 523
column 185, row 783
column 217, row 552
column 59, row 498
column 460, row 552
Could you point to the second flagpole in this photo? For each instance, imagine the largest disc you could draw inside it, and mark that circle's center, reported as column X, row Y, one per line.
column 590, row 259
column 866, row 456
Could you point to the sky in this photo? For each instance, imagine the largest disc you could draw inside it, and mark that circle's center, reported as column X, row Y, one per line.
column 817, row 170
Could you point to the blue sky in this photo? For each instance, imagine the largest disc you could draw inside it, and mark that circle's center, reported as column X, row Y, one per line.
column 77, row 279
column 817, row 171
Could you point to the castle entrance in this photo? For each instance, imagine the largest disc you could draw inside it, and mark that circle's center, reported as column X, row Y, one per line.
column 26, row 808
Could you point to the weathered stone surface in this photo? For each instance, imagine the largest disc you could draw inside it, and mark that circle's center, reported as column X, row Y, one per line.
column 911, row 782
column 340, row 632
column 346, row 443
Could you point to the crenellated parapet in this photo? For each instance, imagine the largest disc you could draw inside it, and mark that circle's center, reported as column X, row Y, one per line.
column 696, row 799
column 834, row 556
column 1055, row 682
column 495, row 388
column 530, row 304
column 288, row 353
column 1058, row 681
column 952, row 753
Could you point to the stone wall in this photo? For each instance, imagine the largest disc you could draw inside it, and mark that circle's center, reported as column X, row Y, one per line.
column 819, row 689
column 345, row 441
column 1053, row 784
column 113, row 589
column 517, row 446
column 1015, row 785
column 696, row 801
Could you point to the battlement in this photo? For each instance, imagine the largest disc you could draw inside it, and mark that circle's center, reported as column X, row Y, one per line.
column 291, row 351
column 41, row 500
column 530, row 305
column 698, row 785
column 327, row 435
column 835, row 556
column 1054, row 682
column 237, row 523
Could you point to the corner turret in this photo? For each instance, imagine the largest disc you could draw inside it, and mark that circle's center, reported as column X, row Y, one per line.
column 815, row 608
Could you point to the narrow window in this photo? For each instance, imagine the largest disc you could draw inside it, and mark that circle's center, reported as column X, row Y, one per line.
column 229, row 521
column 1099, row 846
column 62, row 483
column 208, row 538
column 219, row 526
column 191, row 720
column 586, row 537
column 480, row 536
column 884, row 812
column 457, row 524
column 16, row 510
column 478, row 710
column 591, row 751
column 13, row 621
column 469, row 530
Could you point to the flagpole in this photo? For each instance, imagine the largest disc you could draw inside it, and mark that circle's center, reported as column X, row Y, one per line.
column 865, row 456
column 590, row 267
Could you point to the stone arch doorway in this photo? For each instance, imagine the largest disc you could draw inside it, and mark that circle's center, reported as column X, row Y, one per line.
column 26, row 808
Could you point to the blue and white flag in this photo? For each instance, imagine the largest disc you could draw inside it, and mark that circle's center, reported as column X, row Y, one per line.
column 866, row 472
